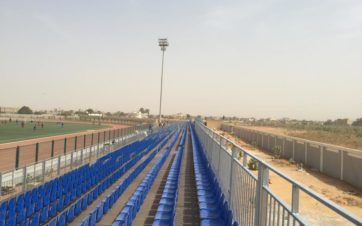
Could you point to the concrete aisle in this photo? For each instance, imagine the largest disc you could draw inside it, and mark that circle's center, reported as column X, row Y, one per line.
column 187, row 211
column 119, row 204
column 149, row 207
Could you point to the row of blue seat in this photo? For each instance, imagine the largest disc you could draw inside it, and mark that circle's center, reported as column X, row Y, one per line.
column 74, row 210
column 41, row 203
column 214, row 209
column 133, row 205
column 97, row 213
column 165, row 214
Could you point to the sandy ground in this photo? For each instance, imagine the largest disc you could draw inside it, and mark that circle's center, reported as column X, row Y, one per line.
column 335, row 190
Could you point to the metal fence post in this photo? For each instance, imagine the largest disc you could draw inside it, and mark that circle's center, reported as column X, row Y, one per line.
column 321, row 158
column 84, row 140
column 17, row 157
column 65, row 145
column 261, row 196
column 341, row 154
column 52, row 151
column 75, row 143
column 36, row 152
column 306, row 153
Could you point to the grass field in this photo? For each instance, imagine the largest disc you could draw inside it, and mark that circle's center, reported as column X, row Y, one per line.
column 12, row 131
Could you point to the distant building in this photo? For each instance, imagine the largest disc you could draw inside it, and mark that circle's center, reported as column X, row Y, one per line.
column 10, row 110
column 138, row 114
column 95, row 114
column 179, row 116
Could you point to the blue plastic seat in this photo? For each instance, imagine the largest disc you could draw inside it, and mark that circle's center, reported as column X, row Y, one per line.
column 70, row 214
column 35, row 220
column 44, row 214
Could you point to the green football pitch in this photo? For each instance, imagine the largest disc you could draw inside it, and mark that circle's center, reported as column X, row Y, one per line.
column 12, row 131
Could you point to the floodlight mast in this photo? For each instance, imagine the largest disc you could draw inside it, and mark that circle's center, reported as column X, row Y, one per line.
column 163, row 43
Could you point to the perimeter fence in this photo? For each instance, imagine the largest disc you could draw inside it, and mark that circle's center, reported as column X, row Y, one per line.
column 336, row 161
column 255, row 199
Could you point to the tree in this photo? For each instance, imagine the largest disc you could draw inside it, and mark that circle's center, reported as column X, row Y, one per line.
column 358, row 122
column 328, row 122
column 25, row 110
column 147, row 111
column 90, row 111
column 142, row 110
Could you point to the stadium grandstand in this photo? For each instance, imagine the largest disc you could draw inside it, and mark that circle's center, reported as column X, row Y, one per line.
column 169, row 177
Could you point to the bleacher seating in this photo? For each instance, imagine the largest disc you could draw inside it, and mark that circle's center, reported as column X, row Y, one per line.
column 214, row 210
column 165, row 214
column 60, row 200
column 131, row 208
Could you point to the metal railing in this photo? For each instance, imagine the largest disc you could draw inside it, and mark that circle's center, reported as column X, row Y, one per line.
column 252, row 199
column 336, row 161
column 33, row 174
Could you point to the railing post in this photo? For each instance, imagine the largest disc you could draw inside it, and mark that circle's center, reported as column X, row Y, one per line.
column 12, row 178
column 43, row 171
column 81, row 156
column 71, row 159
column 295, row 199
column 245, row 159
column 24, row 179
column 98, row 145
column 58, row 170
column 218, row 161
column 1, row 182
column 261, row 195
column 234, row 153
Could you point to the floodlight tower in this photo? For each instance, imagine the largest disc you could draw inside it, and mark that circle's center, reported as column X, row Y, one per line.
column 163, row 43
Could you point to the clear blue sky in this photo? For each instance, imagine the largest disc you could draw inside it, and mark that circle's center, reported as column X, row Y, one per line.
column 272, row 58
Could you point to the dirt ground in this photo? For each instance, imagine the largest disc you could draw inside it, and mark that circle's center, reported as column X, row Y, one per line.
column 335, row 190
column 341, row 139
column 216, row 124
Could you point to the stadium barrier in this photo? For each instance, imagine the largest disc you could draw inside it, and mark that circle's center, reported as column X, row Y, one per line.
column 335, row 161
column 65, row 155
column 252, row 200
